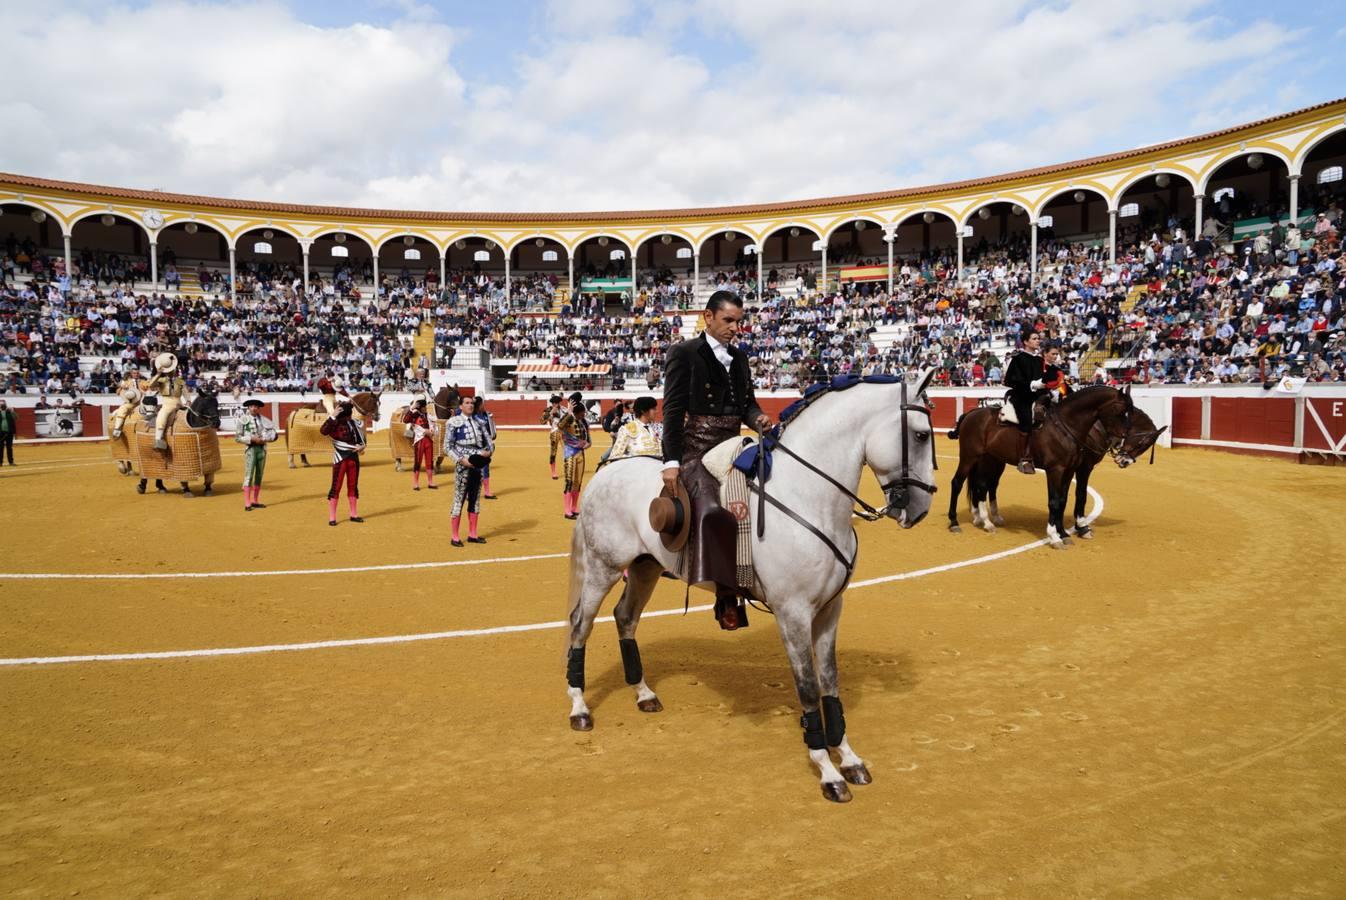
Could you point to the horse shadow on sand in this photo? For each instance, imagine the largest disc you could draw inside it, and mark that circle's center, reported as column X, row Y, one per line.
column 748, row 672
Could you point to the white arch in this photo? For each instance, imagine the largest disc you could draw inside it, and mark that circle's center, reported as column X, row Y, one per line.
column 283, row 229
column 50, row 211
column 753, row 238
column 520, row 241
column 397, row 236
column 1303, row 157
column 978, row 207
column 600, row 234
column 471, row 235
column 1115, row 201
column 173, row 223
column 1036, row 211
column 103, row 212
column 355, row 234
column 1236, row 154
column 828, row 232
column 920, row 212
column 673, row 234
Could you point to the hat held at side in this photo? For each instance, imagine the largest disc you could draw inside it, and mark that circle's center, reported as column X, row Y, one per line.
column 671, row 516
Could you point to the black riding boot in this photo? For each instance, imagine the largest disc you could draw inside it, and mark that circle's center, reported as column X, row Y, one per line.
column 1025, row 454
column 730, row 610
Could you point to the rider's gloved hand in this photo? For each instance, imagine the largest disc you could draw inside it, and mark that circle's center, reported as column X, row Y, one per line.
column 1037, row 385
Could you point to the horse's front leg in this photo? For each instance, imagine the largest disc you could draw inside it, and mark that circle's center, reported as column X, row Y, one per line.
column 796, row 631
column 1058, row 483
column 290, row 457
column 642, row 576
column 853, row 768
column 1082, row 529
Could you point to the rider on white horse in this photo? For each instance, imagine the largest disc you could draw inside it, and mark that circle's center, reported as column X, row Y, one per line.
column 708, row 397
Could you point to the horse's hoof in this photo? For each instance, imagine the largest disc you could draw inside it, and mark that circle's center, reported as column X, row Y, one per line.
column 1067, row 540
column 1084, row 534
column 836, row 791
column 1058, row 545
column 582, row 722
column 651, row 705
column 856, row 774
column 997, row 520
column 955, row 529
column 208, row 492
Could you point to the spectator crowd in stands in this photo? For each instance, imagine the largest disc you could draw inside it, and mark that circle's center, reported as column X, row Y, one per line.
column 1176, row 307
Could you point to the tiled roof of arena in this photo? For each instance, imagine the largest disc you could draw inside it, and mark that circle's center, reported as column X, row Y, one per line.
column 707, row 212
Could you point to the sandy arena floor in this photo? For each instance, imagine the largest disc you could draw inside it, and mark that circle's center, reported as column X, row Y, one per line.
column 1157, row 713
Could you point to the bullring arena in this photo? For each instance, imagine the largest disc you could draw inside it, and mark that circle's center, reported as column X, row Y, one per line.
column 199, row 701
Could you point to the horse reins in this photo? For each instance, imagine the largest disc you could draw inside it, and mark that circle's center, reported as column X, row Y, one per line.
column 896, row 491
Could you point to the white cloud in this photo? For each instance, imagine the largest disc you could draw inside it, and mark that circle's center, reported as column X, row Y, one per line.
column 620, row 105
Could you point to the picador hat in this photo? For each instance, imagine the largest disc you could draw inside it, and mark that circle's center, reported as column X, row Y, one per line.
column 165, row 363
column 671, row 516
column 252, row 401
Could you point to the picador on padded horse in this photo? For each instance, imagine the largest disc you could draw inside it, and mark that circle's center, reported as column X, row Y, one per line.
column 1031, row 376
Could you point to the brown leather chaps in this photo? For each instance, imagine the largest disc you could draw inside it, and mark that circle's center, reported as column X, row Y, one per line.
column 713, row 534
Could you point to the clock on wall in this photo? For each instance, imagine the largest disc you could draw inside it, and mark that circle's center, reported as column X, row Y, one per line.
column 153, row 219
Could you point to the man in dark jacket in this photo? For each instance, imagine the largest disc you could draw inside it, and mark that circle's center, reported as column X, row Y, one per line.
column 708, row 397
column 1024, row 378
column 8, row 425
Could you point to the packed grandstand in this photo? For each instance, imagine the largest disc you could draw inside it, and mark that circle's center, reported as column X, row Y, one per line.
column 1158, row 283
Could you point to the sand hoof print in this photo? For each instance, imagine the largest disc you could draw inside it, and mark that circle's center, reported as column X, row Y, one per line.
column 1054, row 695
column 942, row 717
column 923, row 739
column 1074, row 716
column 981, row 713
column 960, row 746
column 1007, row 727
column 1070, row 667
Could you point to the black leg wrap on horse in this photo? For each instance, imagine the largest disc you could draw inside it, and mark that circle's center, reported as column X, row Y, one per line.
column 812, row 723
column 635, row 672
column 834, row 721
column 575, row 668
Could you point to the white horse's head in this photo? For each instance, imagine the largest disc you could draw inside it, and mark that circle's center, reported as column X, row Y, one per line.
column 900, row 450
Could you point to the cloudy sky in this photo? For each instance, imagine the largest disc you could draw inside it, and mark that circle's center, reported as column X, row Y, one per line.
column 627, row 104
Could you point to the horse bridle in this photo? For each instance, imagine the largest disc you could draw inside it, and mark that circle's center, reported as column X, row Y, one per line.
column 896, row 492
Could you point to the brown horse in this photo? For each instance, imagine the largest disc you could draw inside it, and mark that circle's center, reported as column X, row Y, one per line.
column 985, row 481
column 299, row 441
column 1058, row 446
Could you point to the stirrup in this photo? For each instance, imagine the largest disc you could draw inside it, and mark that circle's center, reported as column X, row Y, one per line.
column 1026, row 467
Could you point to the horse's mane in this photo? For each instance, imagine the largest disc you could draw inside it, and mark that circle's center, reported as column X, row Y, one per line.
column 815, row 392
column 1089, row 390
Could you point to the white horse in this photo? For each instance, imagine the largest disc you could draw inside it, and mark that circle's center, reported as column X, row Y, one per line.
column 802, row 564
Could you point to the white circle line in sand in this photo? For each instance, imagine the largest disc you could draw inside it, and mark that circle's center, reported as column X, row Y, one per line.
column 500, row 629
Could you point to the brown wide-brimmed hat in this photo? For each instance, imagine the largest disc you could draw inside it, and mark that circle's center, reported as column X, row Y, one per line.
column 671, row 516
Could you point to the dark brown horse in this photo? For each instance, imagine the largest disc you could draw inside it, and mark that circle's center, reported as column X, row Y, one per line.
column 366, row 404
column 1058, row 446
column 985, row 480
